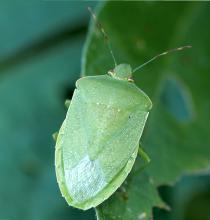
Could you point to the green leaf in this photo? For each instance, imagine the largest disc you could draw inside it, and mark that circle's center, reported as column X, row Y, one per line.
column 191, row 198
column 176, row 136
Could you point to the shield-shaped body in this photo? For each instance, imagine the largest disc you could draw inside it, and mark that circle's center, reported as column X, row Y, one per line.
column 99, row 139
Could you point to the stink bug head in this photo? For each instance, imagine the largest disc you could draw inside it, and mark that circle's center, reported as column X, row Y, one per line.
column 122, row 72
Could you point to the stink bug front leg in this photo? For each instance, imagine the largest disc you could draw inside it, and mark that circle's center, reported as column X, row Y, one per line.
column 143, row 154
column 55, row 136
column 67, row 103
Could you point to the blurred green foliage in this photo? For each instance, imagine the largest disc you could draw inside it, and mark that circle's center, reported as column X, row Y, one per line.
column 189, row 199
column 40, row 55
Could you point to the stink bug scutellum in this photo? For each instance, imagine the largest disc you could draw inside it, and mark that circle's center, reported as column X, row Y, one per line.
column 99, row 139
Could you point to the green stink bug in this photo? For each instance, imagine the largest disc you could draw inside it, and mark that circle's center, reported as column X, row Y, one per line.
column 98, row 141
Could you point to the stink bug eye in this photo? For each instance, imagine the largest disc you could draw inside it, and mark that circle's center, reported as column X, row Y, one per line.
column 98, row 141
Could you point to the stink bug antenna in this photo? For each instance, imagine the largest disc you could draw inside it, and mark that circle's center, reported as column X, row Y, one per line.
column 159, row 55
column 106, row 38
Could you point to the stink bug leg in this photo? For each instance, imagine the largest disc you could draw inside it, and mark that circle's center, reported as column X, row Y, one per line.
column 143, row 154
column 67, row 103
column 55, row 135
